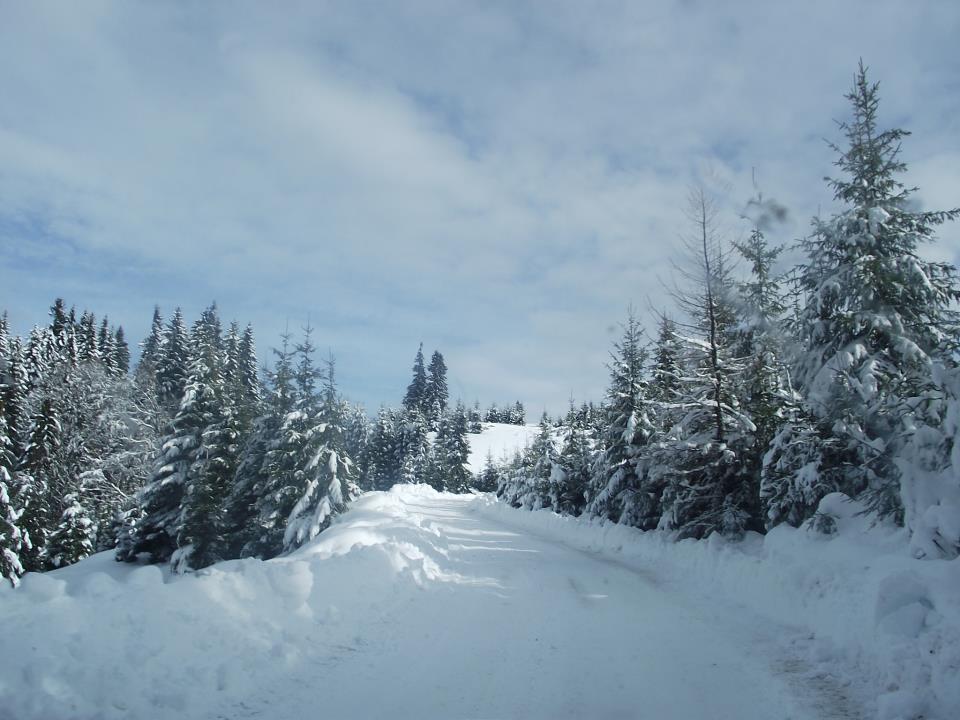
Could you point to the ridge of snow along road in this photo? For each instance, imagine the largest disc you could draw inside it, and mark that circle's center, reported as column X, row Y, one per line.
column 410, row 608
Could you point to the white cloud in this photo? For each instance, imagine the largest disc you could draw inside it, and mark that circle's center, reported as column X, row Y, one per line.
column 497, row 179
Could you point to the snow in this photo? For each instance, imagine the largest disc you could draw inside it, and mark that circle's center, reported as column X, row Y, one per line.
column 499, row 439
column 854, row 609
column 418, row 604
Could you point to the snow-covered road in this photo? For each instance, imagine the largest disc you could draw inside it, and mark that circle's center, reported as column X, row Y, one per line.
column 415, row 605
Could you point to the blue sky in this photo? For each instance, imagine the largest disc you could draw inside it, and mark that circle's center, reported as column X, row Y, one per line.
column 496, row 179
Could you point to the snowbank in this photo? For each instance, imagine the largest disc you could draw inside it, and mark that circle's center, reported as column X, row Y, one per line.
column 872, row 616
column 104, row 640
column 499, row 440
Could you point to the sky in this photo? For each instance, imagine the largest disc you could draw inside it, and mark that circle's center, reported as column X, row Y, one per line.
column 496, row 180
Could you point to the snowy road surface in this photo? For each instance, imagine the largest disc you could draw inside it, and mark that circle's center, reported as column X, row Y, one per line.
column 413, row 606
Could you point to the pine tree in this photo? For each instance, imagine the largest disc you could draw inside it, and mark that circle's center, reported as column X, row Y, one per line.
column 72, row 540
column 436, row 394
column 475, row 419
column 158, row 534
column 412, row 446
column 452, row 451
column 699, row 461
column 12, row 541
column 416, row 396
column 173, row 364
column 11, row 536
column 383, row 469
column 13, row 394
column 488, row 479
column 544, row 472
column 106, row 346
column 876, row 315
column 568, row 487
column 121, row 352
column 41, row 481
column 200, row 525
column 151, row 350
column 618, row 486
column 329, row 482
column 88, row 345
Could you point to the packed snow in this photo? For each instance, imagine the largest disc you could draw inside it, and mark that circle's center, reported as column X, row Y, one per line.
column 424, row 604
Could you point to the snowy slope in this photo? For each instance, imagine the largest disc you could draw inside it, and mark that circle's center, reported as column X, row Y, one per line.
column 500, row 440
column 414, row 605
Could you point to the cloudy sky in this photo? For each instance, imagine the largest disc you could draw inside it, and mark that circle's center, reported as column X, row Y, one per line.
column 496, row 179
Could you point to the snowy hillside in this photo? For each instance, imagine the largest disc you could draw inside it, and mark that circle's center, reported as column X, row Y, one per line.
column 500, row 440
column 417, row 604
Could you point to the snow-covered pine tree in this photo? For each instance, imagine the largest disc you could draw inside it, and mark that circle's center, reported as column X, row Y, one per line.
column 517, row 414
column 107, row 347
column 161, row 500
column 707, row 487
column 475, row 419
column 173, row 364
column 121, row 352
column 876, row 315
column 452, row 451
column 247, row 534
column 288, row 456
column 416, row 396
column 151, row 349
column 73, row 538
column 488, row 480
column 40, row 474
column 618, row 483
column 382, row 466
column 569, row 487
column 544, row 471
column 437, row 394
column 13, row 392
column 412, row 446
column 87, row 339
column 11, row 537
column 356, row 437
column 330, row 484
column 200, row 526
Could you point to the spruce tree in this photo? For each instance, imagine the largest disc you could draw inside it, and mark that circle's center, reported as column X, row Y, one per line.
column 436, row 393
column 121, row 353
column 383, row 469
column 618, row 485
column 173, row 364
column 11, row 536
column 73, row 538
column 88, row 345
column 568, row 487
column 329, row 484
column 707, row 486
column 158, row 534
column 200, row 525
column 416, row 396
column 877, row 315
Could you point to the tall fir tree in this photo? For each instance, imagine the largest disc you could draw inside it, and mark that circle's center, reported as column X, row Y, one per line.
column 436, row 395
column 618, row 485
column 876, row 315
column 173, row 363
column 416, row 395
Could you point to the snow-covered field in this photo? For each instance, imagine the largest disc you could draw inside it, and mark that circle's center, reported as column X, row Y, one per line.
column 424, row 605
column 500, row 441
